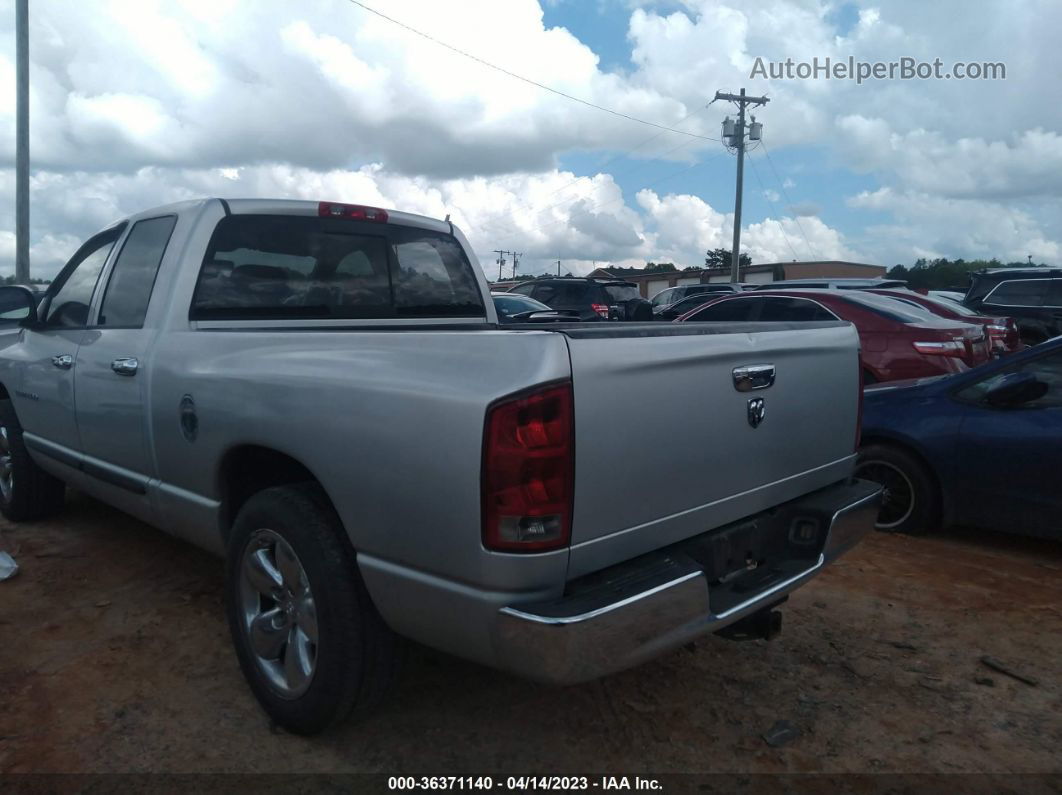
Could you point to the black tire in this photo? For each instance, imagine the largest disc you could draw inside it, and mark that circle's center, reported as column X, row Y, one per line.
column 912, row 498
column 30, row 492
column 356, row 658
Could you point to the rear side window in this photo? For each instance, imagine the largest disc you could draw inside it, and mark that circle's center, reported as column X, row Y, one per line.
column 561, row 293
column 618, row 293
column 1019, row 292
column 737, row 310
column 260, row 266
column 125, row 301
column 793, row 310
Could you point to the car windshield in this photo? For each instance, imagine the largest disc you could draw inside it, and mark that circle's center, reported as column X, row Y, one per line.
column 510, row 304
column 686, row 304
column 664, row 298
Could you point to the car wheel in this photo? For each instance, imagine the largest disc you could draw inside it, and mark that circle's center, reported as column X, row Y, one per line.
column 910, row 498
column 309, row 640
column 27, row 492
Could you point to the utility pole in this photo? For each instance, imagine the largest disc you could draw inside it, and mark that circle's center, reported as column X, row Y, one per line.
column 22, row 141
column 516, row 260
column 735, row 132
column 501, row 261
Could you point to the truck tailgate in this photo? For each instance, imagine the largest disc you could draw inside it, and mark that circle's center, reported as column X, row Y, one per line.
column 665, row 447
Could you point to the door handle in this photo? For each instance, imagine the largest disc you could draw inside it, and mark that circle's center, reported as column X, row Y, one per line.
column 63, row 361
column 753, row 376
column 126, row 365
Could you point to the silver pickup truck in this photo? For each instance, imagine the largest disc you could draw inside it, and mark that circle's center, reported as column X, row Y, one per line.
column 322, row 394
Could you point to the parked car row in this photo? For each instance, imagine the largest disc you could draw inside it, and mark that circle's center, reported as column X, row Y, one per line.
column 961, row 425
column 898, row 339
column 590, row 299
column 981, row 448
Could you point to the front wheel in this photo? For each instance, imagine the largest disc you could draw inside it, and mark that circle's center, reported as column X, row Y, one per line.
column 910, row 498
column 27, row 492
column 309, row 640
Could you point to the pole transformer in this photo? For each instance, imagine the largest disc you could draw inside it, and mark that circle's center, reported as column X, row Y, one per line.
column 735, row 132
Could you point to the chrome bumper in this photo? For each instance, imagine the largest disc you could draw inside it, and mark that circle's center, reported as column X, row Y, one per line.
column 575, row 639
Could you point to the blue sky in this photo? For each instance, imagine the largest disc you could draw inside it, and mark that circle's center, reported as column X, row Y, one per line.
column 139, row 103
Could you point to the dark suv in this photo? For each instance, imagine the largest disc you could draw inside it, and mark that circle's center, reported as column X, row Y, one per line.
column 1032, row 296
column 593, row 299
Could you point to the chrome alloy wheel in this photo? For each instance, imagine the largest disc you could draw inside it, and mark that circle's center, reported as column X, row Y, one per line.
column 7, row 468
column 279, row 615
column 897, row 495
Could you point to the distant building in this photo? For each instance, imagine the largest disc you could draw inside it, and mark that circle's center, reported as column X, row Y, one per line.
column 652, row 283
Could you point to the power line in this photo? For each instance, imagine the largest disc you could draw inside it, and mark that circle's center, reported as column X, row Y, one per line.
column 509, row 221
column 620, row 198
column 527, row 80
column 598, row 168
column 781, row 226
column 785, row 193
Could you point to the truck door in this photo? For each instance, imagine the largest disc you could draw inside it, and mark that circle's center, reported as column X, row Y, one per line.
column 111, row 377
column 43, row 380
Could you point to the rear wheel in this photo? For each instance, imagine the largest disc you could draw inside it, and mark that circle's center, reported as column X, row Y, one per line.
column 910, row 498
column 308, row 638
column 27, row 492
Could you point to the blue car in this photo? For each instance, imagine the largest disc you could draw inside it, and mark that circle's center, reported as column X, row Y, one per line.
column 982, row 448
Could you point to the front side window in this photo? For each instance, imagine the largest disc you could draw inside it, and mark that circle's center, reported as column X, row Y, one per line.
column 1046, row 368
column 73, row 288
column 260, row 266
column 125, row 301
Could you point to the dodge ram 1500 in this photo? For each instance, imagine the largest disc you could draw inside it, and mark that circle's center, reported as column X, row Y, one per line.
column 322, row 393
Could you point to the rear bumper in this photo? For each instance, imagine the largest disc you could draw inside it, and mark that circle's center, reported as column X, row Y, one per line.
column 633, row 612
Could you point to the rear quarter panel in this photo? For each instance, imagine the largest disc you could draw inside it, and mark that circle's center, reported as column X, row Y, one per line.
column 390, row 423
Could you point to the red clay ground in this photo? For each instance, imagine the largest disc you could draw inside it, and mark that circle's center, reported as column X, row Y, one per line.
column 114, row 656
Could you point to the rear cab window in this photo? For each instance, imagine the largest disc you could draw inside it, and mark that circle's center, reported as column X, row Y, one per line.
column 303, row 267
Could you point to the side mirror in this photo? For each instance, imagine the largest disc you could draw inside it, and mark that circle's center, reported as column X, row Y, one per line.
column 1015, row 389
column 18, row 306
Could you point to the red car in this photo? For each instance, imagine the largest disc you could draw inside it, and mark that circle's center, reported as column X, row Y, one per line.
column 898, row 340
column 1002, row 331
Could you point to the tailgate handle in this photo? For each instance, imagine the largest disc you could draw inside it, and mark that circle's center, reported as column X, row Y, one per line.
column 753, row 376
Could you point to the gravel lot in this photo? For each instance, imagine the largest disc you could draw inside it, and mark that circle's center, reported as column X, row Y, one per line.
column 114, row 656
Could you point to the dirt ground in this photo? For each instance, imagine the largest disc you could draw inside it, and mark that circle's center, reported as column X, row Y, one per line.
column 114, row 656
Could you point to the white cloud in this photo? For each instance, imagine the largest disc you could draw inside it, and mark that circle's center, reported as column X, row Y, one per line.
column 136, row 102
column 935, row 226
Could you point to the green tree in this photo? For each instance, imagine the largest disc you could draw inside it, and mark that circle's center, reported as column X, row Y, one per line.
column 720, row 258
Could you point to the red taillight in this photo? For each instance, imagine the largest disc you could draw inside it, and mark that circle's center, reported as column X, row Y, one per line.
column 355, row 212
column 528, row 472
column 956, row 347
column 601, row 309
